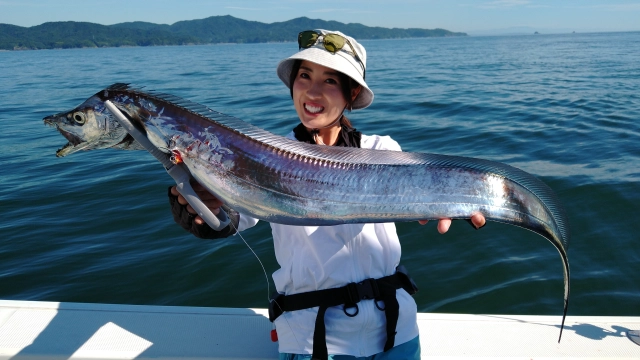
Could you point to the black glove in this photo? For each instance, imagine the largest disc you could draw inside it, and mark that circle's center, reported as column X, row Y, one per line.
column 185, row 219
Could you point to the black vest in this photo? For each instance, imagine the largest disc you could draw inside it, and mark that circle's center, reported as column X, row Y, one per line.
column 348, row 137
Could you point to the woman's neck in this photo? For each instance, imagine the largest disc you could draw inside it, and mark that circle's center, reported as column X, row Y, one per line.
column 326, row 136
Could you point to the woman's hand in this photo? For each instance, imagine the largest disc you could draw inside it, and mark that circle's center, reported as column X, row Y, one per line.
column 212, row 202
column 477, row 220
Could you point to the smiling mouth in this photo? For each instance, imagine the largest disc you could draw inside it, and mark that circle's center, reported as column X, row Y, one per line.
column 313, row 109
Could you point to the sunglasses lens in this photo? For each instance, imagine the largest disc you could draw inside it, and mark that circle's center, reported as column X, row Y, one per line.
column 333, row 42
column 307, row 39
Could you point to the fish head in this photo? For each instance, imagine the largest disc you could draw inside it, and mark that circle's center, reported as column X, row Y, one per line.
column 88, row 126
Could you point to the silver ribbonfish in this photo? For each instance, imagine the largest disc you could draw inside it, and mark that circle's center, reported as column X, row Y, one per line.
column 279, row 180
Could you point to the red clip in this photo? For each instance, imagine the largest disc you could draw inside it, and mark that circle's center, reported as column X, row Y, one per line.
column 274, row 335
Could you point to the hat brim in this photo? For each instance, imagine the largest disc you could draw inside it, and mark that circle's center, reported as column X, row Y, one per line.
column 340, row 61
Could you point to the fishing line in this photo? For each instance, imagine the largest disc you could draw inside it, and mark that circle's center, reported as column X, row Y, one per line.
column 266, row 277
column 264, row 271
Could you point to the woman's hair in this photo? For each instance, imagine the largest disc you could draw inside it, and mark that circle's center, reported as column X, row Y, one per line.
column 347, row 83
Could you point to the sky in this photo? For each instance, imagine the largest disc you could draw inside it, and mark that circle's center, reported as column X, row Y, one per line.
column 471, row 16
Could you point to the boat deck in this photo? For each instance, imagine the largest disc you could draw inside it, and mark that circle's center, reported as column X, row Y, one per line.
column 51, row 330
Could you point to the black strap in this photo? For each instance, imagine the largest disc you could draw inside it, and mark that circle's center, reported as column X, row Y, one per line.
column 383, row 289
column 391, row 313
column 348, row 137
column 319, row 336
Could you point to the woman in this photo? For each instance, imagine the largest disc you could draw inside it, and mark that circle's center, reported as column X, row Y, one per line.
column 341, row 290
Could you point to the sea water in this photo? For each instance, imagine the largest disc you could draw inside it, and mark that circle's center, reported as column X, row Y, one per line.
column 96, row 226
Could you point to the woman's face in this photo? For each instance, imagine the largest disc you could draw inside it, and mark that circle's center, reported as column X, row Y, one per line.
column 317, row 95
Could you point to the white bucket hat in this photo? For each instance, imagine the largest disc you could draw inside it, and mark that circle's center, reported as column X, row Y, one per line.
column 343, row 61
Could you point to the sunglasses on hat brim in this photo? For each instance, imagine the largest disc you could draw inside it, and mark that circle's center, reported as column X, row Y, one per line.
column 331, row 42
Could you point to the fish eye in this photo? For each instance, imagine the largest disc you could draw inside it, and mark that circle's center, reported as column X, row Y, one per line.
column 79, row 117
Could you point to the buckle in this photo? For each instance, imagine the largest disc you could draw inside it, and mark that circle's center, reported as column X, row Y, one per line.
column 346, row 307
column 364, row 290
column 275, row 308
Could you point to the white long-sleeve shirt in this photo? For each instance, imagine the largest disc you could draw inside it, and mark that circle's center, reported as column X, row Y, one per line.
column 322, row 257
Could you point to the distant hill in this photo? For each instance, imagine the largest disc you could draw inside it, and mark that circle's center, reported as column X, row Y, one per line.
column 212, row 30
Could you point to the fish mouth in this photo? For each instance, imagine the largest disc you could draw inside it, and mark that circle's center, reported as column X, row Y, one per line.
column 74, row 141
